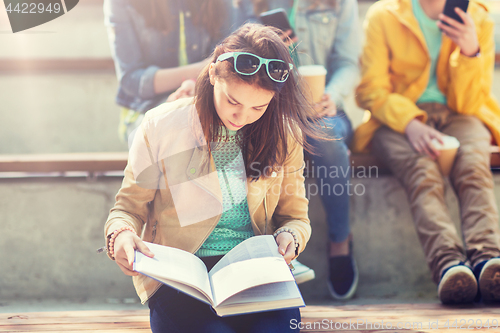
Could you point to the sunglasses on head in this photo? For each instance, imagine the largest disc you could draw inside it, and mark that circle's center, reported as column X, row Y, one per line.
column 248, row 64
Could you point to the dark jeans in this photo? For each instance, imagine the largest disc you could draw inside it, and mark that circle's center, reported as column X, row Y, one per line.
column 175, row 312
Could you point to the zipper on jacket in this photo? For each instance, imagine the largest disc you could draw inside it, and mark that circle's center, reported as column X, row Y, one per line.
column 265, row 212
column 154, row 232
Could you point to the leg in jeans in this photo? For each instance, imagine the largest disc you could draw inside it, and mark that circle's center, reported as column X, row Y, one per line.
column 175, row 312
column 332, row 170
column 424, row 185
column 280, row 321
column 333, row 155
column 472, row 180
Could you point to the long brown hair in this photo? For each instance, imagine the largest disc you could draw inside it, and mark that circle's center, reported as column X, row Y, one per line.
column 208, row 14
column 264, row 142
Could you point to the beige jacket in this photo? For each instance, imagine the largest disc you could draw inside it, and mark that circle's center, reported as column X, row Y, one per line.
column 171, row 194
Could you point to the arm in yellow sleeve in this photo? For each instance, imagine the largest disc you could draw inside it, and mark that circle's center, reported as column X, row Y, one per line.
column 375, row 92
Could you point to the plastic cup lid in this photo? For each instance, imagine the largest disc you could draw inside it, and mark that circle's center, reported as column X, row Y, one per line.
column 312, row 70
column 449, row 142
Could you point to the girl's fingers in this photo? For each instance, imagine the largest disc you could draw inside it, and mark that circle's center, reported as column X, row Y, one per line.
column 290, row 253
column 130, row 254
column 282, row 248
column 144, row 249
column 123, row 263
column 127, row 271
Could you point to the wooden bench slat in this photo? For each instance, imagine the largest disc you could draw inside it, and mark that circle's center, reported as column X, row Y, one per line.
column 91, row 162
column 15, row 65
column 89, row 326
column 116, row 161
column 128, row 321
column 113, row 330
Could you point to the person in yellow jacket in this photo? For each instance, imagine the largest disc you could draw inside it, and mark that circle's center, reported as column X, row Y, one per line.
column 423, row 80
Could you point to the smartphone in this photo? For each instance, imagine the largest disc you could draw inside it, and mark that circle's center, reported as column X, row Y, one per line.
column 449, row 9
column 277, row 18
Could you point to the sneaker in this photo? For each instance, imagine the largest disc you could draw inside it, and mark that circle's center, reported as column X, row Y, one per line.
column 343, row 276
column 489, row 279
column 301, row 272
column 458, row 285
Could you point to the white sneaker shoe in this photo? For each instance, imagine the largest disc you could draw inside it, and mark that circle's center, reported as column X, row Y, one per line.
column 301, row 272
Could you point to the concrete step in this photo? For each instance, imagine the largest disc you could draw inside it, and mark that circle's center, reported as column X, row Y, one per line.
column 54, row 226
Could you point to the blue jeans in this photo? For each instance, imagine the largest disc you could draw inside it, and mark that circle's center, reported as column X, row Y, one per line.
column 175, row 312
column 330, row 165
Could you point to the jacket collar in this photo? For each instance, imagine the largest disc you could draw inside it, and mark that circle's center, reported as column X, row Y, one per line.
column 403, row 11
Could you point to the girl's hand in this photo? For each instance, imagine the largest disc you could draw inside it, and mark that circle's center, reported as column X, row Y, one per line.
column 185, row 90
column 420, row 136
column 125, row 244
column 464, row 35
column 286, row 246
column 325, row 108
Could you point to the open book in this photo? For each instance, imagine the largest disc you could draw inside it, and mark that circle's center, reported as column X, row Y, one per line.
column 252, row 277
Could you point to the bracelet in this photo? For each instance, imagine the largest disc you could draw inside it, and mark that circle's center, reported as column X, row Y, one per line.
column 112, row 237
column 279, row 231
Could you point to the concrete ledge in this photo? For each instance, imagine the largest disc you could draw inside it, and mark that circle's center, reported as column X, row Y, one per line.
column 54, row 226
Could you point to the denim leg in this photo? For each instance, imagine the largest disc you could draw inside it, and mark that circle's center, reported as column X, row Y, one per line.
column 331, row 167
column 175, row 312
column 279, row 321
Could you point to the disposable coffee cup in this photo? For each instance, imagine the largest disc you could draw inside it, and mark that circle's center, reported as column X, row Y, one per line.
column 313, row 79
column 447, row 152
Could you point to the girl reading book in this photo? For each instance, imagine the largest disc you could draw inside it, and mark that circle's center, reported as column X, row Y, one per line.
column 208, row 172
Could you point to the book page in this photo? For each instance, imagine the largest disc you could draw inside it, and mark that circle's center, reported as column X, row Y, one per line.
column 266, row 293
column 243, row 275
column 254, row 247
column 173, row 264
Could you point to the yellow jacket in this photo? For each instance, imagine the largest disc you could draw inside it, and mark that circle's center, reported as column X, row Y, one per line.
column 171, row 195
column 395, row 71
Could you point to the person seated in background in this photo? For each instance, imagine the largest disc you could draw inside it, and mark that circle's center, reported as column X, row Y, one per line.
column 328, row 34
column 426, row 76
column 159, row 46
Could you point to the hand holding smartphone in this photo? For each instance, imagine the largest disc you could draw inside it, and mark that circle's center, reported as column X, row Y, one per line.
column 449, row 9
column 458, row 25
column 278, row 19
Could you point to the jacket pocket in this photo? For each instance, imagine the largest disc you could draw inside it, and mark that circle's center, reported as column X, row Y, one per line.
column 316, row 31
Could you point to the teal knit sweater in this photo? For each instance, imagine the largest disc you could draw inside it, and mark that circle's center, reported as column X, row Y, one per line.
column 235, row 224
